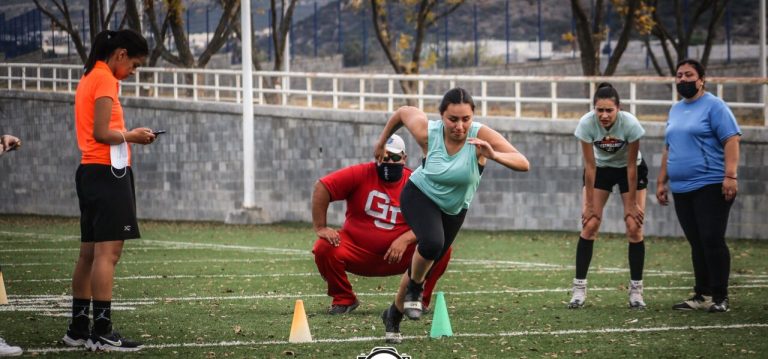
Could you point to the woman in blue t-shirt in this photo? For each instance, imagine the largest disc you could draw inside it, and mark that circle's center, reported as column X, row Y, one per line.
column 700, row 161
column 610, row 142
column 438, row 193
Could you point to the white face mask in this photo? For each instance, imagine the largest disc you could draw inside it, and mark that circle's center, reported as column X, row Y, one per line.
column 118, row 156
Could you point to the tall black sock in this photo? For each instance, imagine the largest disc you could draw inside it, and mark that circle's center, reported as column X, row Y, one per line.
column 102, row 317
column 636, row 260
column 583, row 257
column 80, row 319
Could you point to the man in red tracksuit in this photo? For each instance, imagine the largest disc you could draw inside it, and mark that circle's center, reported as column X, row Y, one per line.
column 374, row 240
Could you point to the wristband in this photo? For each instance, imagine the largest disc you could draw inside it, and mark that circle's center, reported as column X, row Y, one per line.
column 731, row 177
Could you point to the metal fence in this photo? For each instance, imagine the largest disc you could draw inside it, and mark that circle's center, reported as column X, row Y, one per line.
column 552, row 97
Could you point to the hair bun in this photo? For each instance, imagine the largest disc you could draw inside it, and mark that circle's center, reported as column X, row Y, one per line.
column 604, row 84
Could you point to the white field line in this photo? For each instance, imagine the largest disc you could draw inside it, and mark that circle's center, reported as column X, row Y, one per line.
column 181, row 276
column 174, row 244
column 127, row 248
column 309, row 274
column 50, row 236
column 230, row 247
column 161, row 261
column 413, row 337
column 12, row 298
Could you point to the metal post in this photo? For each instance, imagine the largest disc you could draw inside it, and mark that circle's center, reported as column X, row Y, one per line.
column 53, row 39
column 608, row 27
column 506, row 27
column 445, row 33
column 271, row 33
column 538, row 21
column 339, row 28
column 249, row 175
column 82, row 15
column 763, row 70
column 685, row 25
column 728, row 32
column 474, row 30
column 365, row 35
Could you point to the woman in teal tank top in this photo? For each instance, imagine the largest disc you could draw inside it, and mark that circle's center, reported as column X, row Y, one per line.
column 437, row 195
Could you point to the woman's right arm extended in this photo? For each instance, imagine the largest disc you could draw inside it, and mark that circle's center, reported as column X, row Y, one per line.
column 413, row 119
column 102, row 133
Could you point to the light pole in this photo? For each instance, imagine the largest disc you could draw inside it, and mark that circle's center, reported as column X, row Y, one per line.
column 249, row 185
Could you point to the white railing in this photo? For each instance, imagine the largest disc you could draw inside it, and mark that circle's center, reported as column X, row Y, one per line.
column 511, row 96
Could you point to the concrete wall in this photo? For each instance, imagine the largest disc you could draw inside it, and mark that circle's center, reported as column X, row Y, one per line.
column 194, row 172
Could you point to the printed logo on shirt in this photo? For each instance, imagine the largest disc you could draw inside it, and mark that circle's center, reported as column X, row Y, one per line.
column 377, row 206
column 610, row 144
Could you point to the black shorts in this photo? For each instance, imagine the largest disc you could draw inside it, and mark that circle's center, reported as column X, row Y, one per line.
column 107, row 204
column 607, row 177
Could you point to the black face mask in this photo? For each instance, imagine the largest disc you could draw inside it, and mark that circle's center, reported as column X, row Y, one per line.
column 687, row 89
column 390, row 172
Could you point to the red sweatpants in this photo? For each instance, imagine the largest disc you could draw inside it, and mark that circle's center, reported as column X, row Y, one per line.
column 334, row 263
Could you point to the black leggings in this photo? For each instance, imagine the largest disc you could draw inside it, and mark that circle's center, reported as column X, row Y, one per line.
column 434, row 229
column 703, row 214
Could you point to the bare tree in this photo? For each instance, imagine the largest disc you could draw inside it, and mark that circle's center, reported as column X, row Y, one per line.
column 590, row 33
column 281, row 25
column 681, row 39
column 420, row 15
column 98, row 19
column 173, row 21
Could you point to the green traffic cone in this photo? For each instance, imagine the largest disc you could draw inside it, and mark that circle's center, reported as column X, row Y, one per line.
column 441, row 324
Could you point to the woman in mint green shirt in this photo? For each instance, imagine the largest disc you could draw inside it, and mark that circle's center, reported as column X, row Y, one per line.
column 610, row 142
column 438, row 193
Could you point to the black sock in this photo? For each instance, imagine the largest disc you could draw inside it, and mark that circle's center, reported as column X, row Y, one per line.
column 80, row 319
column 636, row 260
column 102, row 317
column 583, row 257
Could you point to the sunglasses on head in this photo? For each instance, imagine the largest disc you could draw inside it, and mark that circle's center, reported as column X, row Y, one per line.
column 393, row 157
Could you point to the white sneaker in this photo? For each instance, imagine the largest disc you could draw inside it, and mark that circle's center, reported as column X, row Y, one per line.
column 579, row 294
column 9, row 351
column 636, row 294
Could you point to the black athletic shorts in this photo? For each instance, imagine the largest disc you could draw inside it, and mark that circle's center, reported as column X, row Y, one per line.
column 607, row 177
column 107, row 204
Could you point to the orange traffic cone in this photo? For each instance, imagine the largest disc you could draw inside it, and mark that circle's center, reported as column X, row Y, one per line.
column 299, row 327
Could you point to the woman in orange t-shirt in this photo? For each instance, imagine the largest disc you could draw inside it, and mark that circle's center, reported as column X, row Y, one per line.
column 105, row 187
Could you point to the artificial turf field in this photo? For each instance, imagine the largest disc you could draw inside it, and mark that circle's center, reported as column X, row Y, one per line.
column 208, row 290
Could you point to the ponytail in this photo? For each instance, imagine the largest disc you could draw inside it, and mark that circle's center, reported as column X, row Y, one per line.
column 107, row 41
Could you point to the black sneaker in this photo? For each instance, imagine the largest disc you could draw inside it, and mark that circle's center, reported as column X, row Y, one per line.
column 112, row 342
column 392, row 318
column 75, row 338
column 413, row 297
column 720, row 307
column 336, row 309
column 696, row 302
